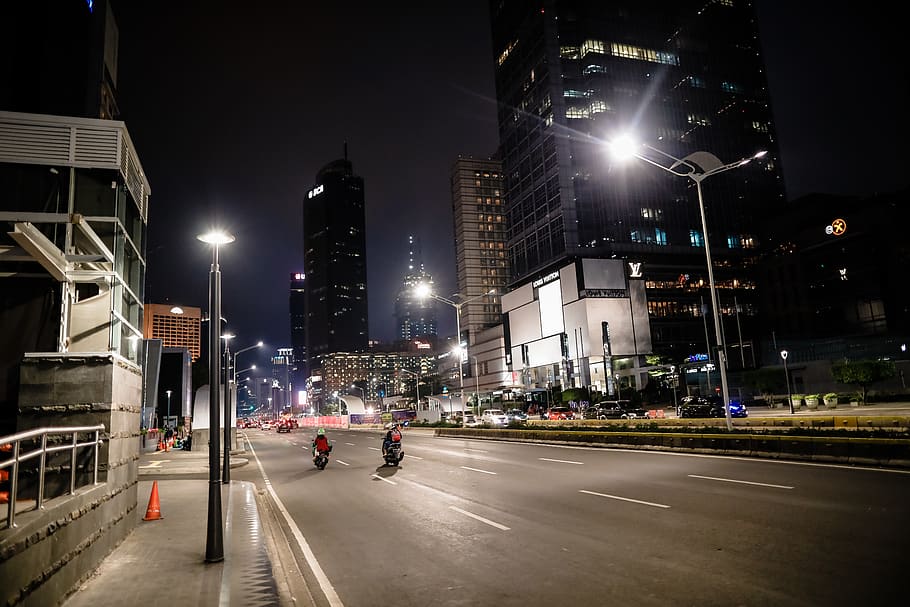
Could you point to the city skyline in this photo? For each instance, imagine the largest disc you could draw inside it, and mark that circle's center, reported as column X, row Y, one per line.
column 240, row 148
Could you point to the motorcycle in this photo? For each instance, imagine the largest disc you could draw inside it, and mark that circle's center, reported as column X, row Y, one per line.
column 394, row 454
column 322, row 458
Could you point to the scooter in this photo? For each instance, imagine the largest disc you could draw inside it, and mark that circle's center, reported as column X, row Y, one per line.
column 393, row 454
column 322, row 458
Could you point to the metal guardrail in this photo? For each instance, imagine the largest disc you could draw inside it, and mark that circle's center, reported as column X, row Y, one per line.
column 14, row 444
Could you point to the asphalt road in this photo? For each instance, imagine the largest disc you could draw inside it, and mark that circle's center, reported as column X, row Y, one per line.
column 474, row 522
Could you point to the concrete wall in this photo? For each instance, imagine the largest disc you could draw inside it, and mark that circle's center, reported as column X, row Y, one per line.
column 51, row 551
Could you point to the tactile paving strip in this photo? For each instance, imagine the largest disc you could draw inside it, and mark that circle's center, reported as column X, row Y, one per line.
column 251, row 579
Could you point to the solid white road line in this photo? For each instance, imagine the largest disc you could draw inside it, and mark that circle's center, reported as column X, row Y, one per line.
column 478, row 470
column 324, row 583
column 624, row 499
column 342, row 463
column 731, row 480
column 479, row 518
column 385, row 480
column 477, row 450
column 559, row 461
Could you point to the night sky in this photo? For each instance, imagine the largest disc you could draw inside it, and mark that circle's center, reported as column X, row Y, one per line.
column 234, row 107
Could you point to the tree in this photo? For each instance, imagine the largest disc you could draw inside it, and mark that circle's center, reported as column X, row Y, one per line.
column 575, row 394
column 766, row 381
column 863, row 373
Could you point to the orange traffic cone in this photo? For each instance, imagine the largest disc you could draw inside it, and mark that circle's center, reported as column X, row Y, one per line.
column 153, row 512
column 4, row 497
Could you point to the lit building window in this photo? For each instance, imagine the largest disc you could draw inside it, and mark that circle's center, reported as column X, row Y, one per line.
column 592, row 46
column 643, row 54
column 696, row 239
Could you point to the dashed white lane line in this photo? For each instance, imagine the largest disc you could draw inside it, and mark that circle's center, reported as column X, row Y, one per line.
column 477, row 450
column 374, row 448
column 351, row 444
column 385, row 480
column 412, row 456
column 478, row 470
column 342, row 463
column 731, row 480
column 559, row 461
column 623, row 499
column 479, row 518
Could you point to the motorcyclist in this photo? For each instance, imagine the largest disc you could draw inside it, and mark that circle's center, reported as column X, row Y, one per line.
column 320, row 443
column 393, row 435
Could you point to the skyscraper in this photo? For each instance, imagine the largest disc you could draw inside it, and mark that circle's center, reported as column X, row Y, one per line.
column 414, row 316
column 335, row 265
column 481, row 262
column 573, row 75
column 175, row 326
column 297, row 309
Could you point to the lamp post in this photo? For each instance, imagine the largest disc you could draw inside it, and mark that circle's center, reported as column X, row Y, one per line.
column 618, row 387
column 417, row 384
column 423, row 290
column 214, row 539
column 229, row 402
column 784, row 354
column 673, row 382
column 698, row 166
column 168, row 392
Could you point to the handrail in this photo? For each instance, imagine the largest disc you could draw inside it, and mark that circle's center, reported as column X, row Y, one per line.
column 15, row 440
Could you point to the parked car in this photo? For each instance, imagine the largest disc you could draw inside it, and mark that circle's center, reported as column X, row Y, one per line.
column 516, row 415
column 615, row 409
column 470, row 421
column 494, row 417
column 556, row 413
column 709, row 406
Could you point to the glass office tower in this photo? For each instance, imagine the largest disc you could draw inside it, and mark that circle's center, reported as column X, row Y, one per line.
column 683, row 77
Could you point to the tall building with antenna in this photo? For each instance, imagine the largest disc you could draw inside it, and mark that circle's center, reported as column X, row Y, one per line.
column 414, row 316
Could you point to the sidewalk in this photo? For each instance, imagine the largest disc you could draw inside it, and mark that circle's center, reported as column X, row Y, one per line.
column 162, row 562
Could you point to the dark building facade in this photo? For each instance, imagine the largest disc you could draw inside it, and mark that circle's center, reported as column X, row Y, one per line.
column 60, row 57
column 335, row 264
column 834, row 282
column 574, row 75
column 297, row 308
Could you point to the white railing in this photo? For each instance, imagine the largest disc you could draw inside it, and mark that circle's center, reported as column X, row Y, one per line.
column 13, row 444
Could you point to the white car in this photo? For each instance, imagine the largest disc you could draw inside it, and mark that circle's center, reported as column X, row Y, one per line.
column 266, row 425
column 494, row 417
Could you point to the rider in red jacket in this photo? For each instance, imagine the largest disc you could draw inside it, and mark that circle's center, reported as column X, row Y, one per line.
column 320, row 443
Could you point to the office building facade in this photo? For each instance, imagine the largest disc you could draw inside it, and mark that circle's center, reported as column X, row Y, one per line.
column 297, row 309
column 481, row 260
column 573, row 76
column 335, row 265
column 414, row 316
column 175, row 326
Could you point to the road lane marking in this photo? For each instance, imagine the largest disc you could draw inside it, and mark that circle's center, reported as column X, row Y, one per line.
column 342, row 463
column 624, row 499
column 351, row 444
column 731, row 480
column 324, row 583
column 385, row 480
column 412, row 456
column 479, row 518
column 477, row 450
column 155, row 464
column 478, row 470
column 559, row 461
column 374, row 448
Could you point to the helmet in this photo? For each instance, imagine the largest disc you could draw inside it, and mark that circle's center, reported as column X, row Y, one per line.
column 320, row 432
column 389, row 426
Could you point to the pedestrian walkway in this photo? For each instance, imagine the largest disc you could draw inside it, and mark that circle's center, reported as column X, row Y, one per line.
column 162, row 562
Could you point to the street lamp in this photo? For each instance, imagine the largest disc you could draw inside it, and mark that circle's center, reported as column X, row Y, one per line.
column 363, row 393
column 423, row 290
column 214, row 539
column 697, row 166
column 784, row 354
column 417, row 384
column 229, row 404
column 168, row 392
column 673, row 382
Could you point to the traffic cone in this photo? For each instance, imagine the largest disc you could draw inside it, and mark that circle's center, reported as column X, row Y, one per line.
column 153, row 512
column 4, row 497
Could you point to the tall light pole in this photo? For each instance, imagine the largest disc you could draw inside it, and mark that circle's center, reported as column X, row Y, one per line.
column 784, row 354
column 423, row 290
column 214, row 538
column 168, row 392
column 363, row 394
column 417, row 385
column 697, row 166
column 673, row 382
column 229, row 402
